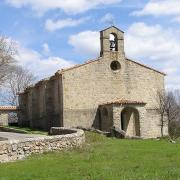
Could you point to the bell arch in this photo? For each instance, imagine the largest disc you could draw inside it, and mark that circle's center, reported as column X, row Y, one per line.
column 113, row 41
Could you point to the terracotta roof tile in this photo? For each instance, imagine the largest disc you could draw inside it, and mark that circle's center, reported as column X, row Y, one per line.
column 8, row 108
column 123, row 101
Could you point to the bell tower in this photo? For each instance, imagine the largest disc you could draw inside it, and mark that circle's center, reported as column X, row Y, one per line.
column 112, row 41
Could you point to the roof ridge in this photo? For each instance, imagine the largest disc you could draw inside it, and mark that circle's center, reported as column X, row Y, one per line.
column 78, row 65
column 111, row 27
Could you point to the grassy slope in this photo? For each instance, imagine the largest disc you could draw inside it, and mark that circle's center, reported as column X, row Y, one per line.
column 102, row 158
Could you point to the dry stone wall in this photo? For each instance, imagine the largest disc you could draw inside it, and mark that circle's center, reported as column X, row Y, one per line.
column 19, row 149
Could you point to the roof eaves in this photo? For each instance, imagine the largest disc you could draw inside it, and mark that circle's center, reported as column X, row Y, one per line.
column 78, row 65
column 113, row 27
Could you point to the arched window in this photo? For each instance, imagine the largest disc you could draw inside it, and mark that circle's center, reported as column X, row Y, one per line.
column 113, row 42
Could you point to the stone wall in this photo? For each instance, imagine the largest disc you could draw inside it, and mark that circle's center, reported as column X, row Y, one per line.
column 149, row 121
column 87, row 87
column 42, row 105
column 142, row 83
column 19, row 149
column 3, row 119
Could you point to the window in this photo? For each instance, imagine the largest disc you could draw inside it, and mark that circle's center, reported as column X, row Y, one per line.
column 113, row 42
column 115, row 65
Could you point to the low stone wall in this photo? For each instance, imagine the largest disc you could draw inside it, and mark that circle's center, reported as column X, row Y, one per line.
column 19, row 149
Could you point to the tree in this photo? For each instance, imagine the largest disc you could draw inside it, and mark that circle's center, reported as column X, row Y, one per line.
column 172, row 108
column 161, row 108
column 18, row 80
column 7, row 52
column 168, row 107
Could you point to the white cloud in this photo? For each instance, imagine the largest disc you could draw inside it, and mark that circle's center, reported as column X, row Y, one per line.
column 152, row 42
column 176, row 19
column 46, row 49
column 68, row 6
column 39, row 65
column 51, row 25
column 86, row 43
column 108, row 18
column 160, row 8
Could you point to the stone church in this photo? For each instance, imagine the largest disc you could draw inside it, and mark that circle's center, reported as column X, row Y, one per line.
column 111, row 90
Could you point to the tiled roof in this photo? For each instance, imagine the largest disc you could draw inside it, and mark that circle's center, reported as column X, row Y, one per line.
column 123, row 101
column 8, row 108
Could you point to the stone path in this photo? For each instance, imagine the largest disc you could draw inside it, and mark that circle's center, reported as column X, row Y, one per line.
column 18, row 136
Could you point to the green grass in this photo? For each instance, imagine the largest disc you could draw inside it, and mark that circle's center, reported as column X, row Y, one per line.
column 28, row 130
column 101, row 159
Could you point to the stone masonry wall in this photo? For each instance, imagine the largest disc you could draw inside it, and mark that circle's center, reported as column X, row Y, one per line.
column 3, row 119
column 87, row 87
column 42, row 104
column 19, row 149
column 23, row 119
column 143, row 83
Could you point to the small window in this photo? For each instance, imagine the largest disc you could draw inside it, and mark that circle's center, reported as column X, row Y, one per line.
column 115, row 65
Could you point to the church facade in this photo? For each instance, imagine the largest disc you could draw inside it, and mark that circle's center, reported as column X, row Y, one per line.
column 111, row 90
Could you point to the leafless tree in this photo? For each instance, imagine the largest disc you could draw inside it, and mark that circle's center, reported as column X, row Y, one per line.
column 168, row 108
column 172, row 108
column 161, row 108
column 18, row 80
column 7, row 52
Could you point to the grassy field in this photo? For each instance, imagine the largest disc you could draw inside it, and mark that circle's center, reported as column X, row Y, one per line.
column 102, row 158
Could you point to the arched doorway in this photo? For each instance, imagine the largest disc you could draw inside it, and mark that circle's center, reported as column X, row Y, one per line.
column 130, row 121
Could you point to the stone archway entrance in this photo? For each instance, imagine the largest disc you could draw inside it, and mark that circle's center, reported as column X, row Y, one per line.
column 130, row 121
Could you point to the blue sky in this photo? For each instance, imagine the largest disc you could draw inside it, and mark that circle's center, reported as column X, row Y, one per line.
column 52, row 34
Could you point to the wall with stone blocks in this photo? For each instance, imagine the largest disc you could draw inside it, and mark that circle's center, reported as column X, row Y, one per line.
column 87, row 87
column 42, row 105
column 3, row 119
column 19, row 149
column 143, row 83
